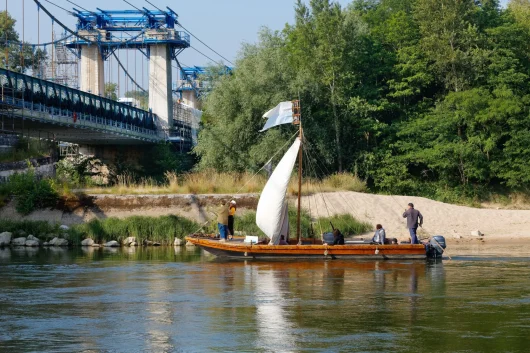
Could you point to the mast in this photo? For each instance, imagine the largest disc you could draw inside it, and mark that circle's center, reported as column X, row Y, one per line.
column 297, row 120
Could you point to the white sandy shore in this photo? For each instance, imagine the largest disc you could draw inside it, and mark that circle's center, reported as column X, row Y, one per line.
column 439, row 218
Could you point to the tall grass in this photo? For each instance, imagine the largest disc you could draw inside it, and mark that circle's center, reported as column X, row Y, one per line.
column 212, row 182
column 347, row 224
column 37, row 228
column 162, row 229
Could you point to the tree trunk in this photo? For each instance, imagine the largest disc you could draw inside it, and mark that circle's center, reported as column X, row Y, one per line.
column 337, row 136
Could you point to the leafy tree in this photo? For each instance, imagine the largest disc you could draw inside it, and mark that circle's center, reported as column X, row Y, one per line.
column 140, row 96
column 20, row 56
column 111, row 90
column 426, row 97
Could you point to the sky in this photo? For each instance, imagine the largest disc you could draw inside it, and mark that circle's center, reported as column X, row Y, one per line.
column 222, row 24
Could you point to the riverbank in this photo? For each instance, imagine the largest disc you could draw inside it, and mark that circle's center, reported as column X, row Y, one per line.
column 507, row 230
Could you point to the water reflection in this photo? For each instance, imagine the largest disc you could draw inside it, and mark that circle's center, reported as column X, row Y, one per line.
column 274, row 329
column 167, row 300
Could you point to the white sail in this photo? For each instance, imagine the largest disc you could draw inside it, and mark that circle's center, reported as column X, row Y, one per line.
column 280, row 114
column 271, row 215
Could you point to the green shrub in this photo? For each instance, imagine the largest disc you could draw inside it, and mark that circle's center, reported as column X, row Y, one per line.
column 29, row 192
column 37, row 228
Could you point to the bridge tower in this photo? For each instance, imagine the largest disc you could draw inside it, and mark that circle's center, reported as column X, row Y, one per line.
column 92, row 71
column 100, row 33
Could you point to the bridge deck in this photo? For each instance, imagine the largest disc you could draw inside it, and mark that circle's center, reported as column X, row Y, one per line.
column 72, row 115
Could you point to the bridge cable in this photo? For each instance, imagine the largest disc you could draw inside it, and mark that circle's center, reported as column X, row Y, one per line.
column 6, row 52
column 23, row 38
column 206, row 45
column 206, row 56
column 194, row 36
column 62, row 8
column 73, row 3
column 123, row 68
column 133, row 6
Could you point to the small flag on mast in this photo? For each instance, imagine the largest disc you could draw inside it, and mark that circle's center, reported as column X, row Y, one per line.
column 280, row 114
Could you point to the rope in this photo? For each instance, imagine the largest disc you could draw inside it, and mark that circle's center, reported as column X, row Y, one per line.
column 278, row 151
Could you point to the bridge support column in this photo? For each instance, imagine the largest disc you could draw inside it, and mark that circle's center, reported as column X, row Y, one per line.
column 190, row 98
column 160, row 92
column 92, row 70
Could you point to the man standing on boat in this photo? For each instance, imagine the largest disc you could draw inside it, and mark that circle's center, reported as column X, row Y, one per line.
column 413, row 215
column 222, row 220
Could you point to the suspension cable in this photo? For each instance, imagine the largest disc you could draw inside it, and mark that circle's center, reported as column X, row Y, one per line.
column 126, row 73
column 23, row 38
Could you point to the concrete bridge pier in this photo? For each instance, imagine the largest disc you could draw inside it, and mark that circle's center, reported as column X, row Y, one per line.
column 92, row 78
column 160, row 92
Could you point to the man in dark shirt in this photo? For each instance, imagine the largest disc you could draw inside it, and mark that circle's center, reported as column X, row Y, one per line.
column 338, row 238
column 413, row 215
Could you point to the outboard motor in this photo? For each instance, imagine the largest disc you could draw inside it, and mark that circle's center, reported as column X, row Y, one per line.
column 436, row 246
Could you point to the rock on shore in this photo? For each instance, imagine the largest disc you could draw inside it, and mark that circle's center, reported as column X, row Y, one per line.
column 5, row 238
column 112, row 244
column 87, row 242
column 128, row 241
column 32, row 241
column 21, row 241
column 58, row 242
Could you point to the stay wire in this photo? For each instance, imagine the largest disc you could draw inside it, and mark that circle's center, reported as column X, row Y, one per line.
column 255, row 174
column 206, row 45
column 62, row 8
column 81, row 7
column 322, row 193
column 327, row 172
column 206, row 56
column 275, row 154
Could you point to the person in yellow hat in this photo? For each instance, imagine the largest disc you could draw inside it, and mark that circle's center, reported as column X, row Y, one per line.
column 231, row 214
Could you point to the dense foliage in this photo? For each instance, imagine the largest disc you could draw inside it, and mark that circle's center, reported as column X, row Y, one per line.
column 29, row 191
column 21, row 56
column 422, row 97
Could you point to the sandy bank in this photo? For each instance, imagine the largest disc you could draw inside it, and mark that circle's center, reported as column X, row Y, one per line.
column 505, row 230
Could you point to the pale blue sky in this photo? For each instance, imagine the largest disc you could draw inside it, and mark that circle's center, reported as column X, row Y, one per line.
column 222, row 24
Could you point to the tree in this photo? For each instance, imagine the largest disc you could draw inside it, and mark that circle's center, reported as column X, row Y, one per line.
column 20, row 56
column 229, row 139
column 141, row 96
column 111, row 91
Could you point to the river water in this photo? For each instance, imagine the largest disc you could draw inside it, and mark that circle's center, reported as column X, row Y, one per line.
column 181, row 300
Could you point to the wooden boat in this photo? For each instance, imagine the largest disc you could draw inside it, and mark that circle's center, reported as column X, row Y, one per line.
column 273, row 219
column 316, row 250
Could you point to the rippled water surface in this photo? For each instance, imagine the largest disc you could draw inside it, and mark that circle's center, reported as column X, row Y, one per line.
column 179, row 300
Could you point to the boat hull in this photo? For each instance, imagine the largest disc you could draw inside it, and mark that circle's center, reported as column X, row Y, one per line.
column 357, row 251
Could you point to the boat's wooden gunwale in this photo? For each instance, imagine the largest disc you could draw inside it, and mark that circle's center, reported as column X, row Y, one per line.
column 365, row 250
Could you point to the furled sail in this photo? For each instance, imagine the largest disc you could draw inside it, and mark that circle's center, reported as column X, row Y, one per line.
column 271, row 214
column 280, row 114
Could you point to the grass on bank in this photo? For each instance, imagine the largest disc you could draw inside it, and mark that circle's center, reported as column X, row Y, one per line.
column 346, row 223
column 165, row 229
column 212, row 182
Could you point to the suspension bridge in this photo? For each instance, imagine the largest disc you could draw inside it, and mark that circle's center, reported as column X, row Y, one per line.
column 63, row 93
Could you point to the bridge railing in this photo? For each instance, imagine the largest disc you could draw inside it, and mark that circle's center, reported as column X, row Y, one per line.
column 80, row 120
column 54, row 102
